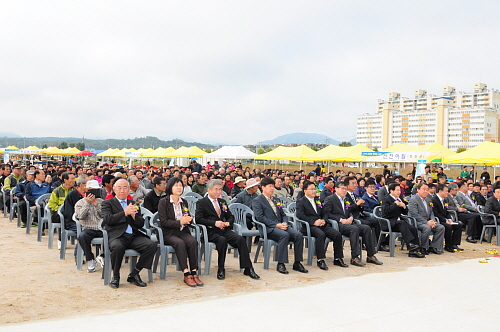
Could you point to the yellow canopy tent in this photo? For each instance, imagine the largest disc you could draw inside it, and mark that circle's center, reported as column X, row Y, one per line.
column 435, row 151
column 107, row 153
column 71, row 151
column 121, row 153
column 158, row 153
column 53, row 151
column 486, row 153
column 340, row 153
column 301, row 152
column 186, row 152
column 274, row 154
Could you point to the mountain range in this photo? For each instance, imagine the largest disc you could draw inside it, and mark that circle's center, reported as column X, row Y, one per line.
column 304, row 138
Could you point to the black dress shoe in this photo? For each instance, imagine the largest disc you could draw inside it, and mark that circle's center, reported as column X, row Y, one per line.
column 115, row 282
column 357, row 262
column 297, row 266
column 384, row 248
column 136, row 280
column 221, row 274
column 412, row 246
column 340, row 262
column 415, row 253
column 457, row 247
column 281, row 268
column 470, row 239
column 449, row 249
column 249, row 271
column 322, row 265
column 433, row 250
column 374, row 260
column 422, row 251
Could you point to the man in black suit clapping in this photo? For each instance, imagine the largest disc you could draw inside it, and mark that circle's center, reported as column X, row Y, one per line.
column 124, row 225
column 452, row 230
column 213, row 212
column 269, row 211
column 310, row 209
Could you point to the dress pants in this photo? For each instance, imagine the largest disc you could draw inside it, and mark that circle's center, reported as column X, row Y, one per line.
column 365, row 231
column 352, row 231
column 142, row 244
column 85, row 239
column 186, row 247
column 283, row 237
column 373, row 223
column 452, row 234
column 409, row 232
column 221, row 238
column 473, row 221
column 321, row 233
column 22, row 208
column 437, row 238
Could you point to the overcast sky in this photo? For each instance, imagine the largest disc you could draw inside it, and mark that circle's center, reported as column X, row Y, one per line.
column 231, row 71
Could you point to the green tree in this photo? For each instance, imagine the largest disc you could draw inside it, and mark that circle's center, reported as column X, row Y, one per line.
column 314, row 148
column 63, row 145
column 344, row 143
column 260, row 150
column 375, row 149
column 71, row 145
column 461, row 150
column 44, row 146
column 80, row 146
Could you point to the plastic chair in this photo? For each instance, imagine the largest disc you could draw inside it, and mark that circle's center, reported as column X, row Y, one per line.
column 191, row 200
column 377, row 212
column 40, row 203
column 13, row 207
column 4, row 194
column 29, row 216
column 240, row 213
column 52, row 226
column 192, row 194
column 310, row 243
column 335, row 225
column 65, row 234
column 490, row 228
column 285, row 201
column 97, row 241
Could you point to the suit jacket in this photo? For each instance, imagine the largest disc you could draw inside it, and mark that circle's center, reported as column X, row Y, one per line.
column 391, row 211
column 115, row 221
column 306, row 212
column 265, row 214
column 370, row 203
column 440, row 212
column 354, row 209
column 334, row 209
column 478, row 199
column 493, row 207
column 382, row 193
column 422, row 213
column 166, row 215
column 206, row 214
column 462, row 200
column 451, row 203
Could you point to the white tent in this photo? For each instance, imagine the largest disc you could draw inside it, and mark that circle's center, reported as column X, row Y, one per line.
column 230, row 152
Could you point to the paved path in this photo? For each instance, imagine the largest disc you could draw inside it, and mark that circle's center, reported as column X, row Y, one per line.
column 420, row 299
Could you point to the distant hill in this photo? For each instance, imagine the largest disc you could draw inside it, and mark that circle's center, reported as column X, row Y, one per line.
column 136, row 143
column 301, row 138
column 6, row 134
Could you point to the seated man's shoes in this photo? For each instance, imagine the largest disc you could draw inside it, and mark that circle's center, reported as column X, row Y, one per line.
column 221, row 274
column 374, row 260
column 340, row 262
column 297, row 266
column 457, row 247
column 357, row 262
column 412, row 246
column 415, row 253
column 423, row 251
column 197, row 280
column 433, row 250
column 449, row 249
column 470, row 239
column 322, row 265
column 189, row 280
column 115, row 282
column 136, row 280
column 249, row 271
column 384, row 248
column 281, row 268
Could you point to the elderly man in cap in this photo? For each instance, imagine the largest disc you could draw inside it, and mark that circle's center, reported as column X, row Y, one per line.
column 239, row 186
column 10, row 183
column 88, row 212
column 247, row 196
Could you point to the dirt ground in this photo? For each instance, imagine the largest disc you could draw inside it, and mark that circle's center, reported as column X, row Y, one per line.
column 37, row 285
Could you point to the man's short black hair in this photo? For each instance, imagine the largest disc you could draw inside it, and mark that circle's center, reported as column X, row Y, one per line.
column 107, row 178
column 267, row 181
column 440, row 187
column 340, row 184
column 65, row 175
column 157, row 180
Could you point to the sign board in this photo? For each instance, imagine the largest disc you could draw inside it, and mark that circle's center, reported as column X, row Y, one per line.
column 395, row 157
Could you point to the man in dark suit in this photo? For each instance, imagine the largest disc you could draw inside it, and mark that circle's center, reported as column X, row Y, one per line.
column 482, row 196
column 356, row 208
column 124, row 225
column 371, row 200
column 392, row 209
column 269, row 211
column 310, row 209
column 213, row 212
column 338, row 207
column 493, row 206
column 470, row 218
column 453, row 230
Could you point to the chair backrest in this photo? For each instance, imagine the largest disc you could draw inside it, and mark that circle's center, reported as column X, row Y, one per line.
column 285, row 201
column 192, row 194
column 232, row 200
column 191, row 200
column 42, row 202
column 480, row 208
column 377, row 211
column 240, row 212
column 61, row 215
column 292, row 207
column 147, row 215
column 154, row 219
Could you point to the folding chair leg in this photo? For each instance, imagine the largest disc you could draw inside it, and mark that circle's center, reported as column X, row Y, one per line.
column 257, row 252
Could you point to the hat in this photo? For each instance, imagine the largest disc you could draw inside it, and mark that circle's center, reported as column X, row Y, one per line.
column 238, row 179
column 251, row 182
column 32, row 172
column 17, row 167
column 93, row 184
column 195, row 173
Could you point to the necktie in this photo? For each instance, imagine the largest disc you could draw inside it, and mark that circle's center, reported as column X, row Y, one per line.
column 129, row 228
column 425, row 205
column 217, row 208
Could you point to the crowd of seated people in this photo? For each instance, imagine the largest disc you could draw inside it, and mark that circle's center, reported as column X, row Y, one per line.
column 430, row 212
